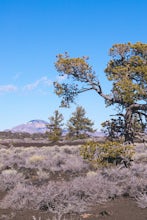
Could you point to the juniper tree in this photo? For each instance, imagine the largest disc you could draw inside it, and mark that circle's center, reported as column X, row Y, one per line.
column 78, row 125
column 55, row 126
column 127, row 70
column 115, row 127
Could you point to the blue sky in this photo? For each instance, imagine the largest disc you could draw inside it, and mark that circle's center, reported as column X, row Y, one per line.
column 33, row 32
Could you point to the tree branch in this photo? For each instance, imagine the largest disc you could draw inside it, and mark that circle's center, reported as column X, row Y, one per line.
column 136, row 107
column 84, row 90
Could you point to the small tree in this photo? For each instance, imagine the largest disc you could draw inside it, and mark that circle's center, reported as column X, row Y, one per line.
column 78, row 125
column 55, row 126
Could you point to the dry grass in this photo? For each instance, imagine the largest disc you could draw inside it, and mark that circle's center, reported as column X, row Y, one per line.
column 28, row 176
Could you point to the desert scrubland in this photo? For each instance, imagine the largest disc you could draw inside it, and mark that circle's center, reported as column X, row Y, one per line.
column 50, row 181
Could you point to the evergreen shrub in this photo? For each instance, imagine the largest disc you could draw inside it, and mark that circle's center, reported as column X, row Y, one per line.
column 107, row 154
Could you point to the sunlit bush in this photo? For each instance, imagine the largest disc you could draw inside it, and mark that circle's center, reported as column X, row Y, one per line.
column 104, row 154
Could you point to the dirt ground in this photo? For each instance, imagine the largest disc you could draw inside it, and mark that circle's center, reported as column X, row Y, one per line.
column 118, row 209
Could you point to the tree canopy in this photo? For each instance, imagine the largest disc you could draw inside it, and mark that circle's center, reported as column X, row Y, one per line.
column 127, row 70
column 78, row 125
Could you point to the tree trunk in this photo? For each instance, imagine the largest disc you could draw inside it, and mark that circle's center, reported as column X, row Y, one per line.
column 128, row 130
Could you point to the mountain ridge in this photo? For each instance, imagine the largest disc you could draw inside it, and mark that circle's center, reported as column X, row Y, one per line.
column 32, row 126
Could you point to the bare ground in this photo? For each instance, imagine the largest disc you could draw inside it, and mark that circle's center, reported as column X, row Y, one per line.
column 118, row 209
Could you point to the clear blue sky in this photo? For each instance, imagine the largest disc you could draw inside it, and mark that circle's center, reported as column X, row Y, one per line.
column 33, row 32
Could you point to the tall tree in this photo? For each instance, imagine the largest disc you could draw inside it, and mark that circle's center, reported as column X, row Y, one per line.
column 127, row 70
column 78, row 125
column 55, row 126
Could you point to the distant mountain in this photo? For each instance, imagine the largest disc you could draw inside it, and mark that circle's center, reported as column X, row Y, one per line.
column 97, row 134
column 33, row 126
column 39, row 126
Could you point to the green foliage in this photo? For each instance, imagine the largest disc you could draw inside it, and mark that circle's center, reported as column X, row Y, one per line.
column 55, row 126
column 106, row 154
column 55, row 134
column 127, row 70
column 78, row 125
column 76, row 68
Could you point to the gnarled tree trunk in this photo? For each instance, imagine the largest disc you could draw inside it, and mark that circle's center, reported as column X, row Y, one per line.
column 128, row 130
